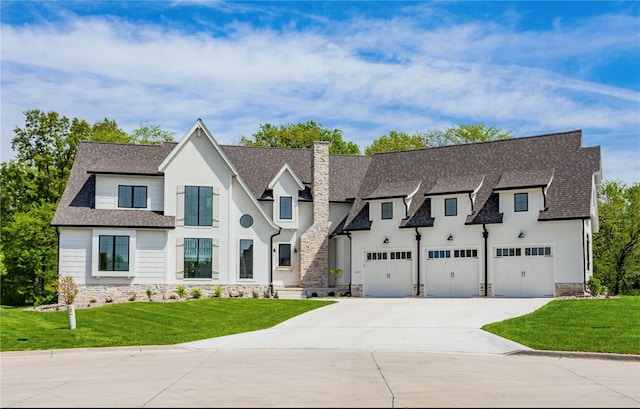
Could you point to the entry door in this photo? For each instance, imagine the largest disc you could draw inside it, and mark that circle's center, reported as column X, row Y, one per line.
column 388, row 273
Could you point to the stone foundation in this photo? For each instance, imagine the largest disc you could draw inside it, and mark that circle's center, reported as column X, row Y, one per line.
column 489, row 290
column 569, row 289
column 95, row 295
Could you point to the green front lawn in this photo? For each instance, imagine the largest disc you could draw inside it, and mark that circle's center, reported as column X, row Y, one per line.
column 145, row 323
column 589, row 325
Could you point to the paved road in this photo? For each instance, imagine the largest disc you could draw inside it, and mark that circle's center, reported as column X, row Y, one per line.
column 336, row 365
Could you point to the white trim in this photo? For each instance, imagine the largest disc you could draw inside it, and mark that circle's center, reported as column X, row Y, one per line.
column 278, row 175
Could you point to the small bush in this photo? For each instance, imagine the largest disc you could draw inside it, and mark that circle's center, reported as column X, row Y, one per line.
column 196, row 293
column 149, row 293
column 256, row 294
column 314, row 294
column 594, row 286
column 66, row 289
column 181, row 291
column 331, row 294
column 217, row 292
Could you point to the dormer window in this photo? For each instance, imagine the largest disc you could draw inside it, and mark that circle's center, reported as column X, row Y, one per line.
column 134, row 197
column 521, row 202
column 286, row 207
column 451, row 207
column 387, row 210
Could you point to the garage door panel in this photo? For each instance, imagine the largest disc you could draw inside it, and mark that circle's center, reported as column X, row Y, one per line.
column 523, row 272
column 388, row 275
column 452, row 273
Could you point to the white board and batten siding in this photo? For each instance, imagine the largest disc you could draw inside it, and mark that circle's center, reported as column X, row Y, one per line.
column 75, row 254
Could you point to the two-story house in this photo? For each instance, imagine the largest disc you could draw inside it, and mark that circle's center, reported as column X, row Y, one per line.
column 511, row 218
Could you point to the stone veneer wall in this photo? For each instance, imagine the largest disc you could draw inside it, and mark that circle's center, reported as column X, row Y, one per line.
column 314, row 243
column 569, row 289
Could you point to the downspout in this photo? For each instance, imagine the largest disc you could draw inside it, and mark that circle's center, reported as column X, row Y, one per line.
column 350, row 262
column 58, row 267
column 271, row 260
column 485, row 235
column 418, row 257
column 584, row 260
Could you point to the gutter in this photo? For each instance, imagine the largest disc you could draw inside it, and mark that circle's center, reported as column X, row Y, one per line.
column 418, row 256
column 350, row 262
column 271, row 260
column 485, row 235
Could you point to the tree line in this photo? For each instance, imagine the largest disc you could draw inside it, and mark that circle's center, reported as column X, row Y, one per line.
column 32, row 183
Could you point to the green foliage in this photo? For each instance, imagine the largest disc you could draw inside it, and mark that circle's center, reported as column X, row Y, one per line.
column 616, row 247
column 255, row 294
column 150, row 135
column 181, row 291
column 463, row 133
column 30, row 247
column 300, row 135
column 149, row 293
column 595, row 287
column 129, row 324
column 108, row 131
column 589, row 325
column 196, row 293
column 217, row 291
column 67, row 289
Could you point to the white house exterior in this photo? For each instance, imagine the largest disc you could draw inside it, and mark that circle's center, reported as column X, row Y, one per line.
column 517, row 214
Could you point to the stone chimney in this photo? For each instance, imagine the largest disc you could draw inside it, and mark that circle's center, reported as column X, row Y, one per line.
column 314, row 243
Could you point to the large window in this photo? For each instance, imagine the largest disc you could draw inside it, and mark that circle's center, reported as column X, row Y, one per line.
column 198, row 206
column 286, row 208
column 197, row 258
column 387, row 210
column 246, row 258
column 521, row 202
column 451, row 207
column 132, row 196
column 114, row 253
column 284, row 255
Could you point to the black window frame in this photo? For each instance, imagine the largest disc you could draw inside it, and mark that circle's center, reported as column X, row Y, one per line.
column 133, row 189
column 284, row 257
column 203, row 211
column 518, row 209
column 112, row 261
column 388, row 214
column 284, row 205
column 245, row 265
column 200, row 267
column 446, row 208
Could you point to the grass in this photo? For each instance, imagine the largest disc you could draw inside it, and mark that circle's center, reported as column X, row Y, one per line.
column 609, row 325
column 144, row 323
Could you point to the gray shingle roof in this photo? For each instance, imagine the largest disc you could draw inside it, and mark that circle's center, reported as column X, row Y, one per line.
column 520, row 162
column 394, row 189
column 76, row 207
column 456, row 184
column 258, row 166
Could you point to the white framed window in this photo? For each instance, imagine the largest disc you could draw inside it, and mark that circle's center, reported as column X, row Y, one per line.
column 286, row 208
column 521, row 202
column 387, row 210
column 246, row 259
column 451, row 206
column 284, row 255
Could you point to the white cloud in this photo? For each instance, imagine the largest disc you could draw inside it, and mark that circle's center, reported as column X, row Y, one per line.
column 365, row 78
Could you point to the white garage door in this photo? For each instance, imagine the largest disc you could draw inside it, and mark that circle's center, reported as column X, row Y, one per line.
column 452, row 273
column 388, row 273
column 523, row 272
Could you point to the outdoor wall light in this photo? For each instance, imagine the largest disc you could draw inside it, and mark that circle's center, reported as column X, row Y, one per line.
column 521, row 235
column 450, row 238
column 386, row 240
column 295, row 250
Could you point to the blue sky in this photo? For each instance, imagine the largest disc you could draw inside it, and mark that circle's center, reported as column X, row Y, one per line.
column 365, row 68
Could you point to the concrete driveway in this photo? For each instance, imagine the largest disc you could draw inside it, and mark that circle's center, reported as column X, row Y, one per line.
column 383, row 324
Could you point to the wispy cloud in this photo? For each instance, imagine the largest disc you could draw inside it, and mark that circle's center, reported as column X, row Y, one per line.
column 365, row 75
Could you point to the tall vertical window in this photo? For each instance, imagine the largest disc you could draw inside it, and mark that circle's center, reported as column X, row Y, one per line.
column 286, row 208
column 451, row 207
column 387, row 210
column 114, row 253
column 284, row 255
column 246, row 258
column 132, row 196
column 197, row 258
column 521, row 202
column 198, row 206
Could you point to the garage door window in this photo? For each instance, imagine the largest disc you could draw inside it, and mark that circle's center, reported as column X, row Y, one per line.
column 376, row 256
column 537, row 251
column 465, row 253
column 509, row 252
column 400, row 255
column 432, row 254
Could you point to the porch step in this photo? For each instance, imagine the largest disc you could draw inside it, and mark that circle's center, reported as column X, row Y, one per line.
column 290, row 293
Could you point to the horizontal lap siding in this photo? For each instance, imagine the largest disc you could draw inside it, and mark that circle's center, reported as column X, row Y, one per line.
column 75, row 253
column 150, row 256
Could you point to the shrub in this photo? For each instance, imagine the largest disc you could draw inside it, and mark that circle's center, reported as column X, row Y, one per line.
column 66, row 289
column 196, row 293
column 331, row 294
column 181, row 291
column 594, row 286
column 217, row 292
column 256, row 294
column 149, row 293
